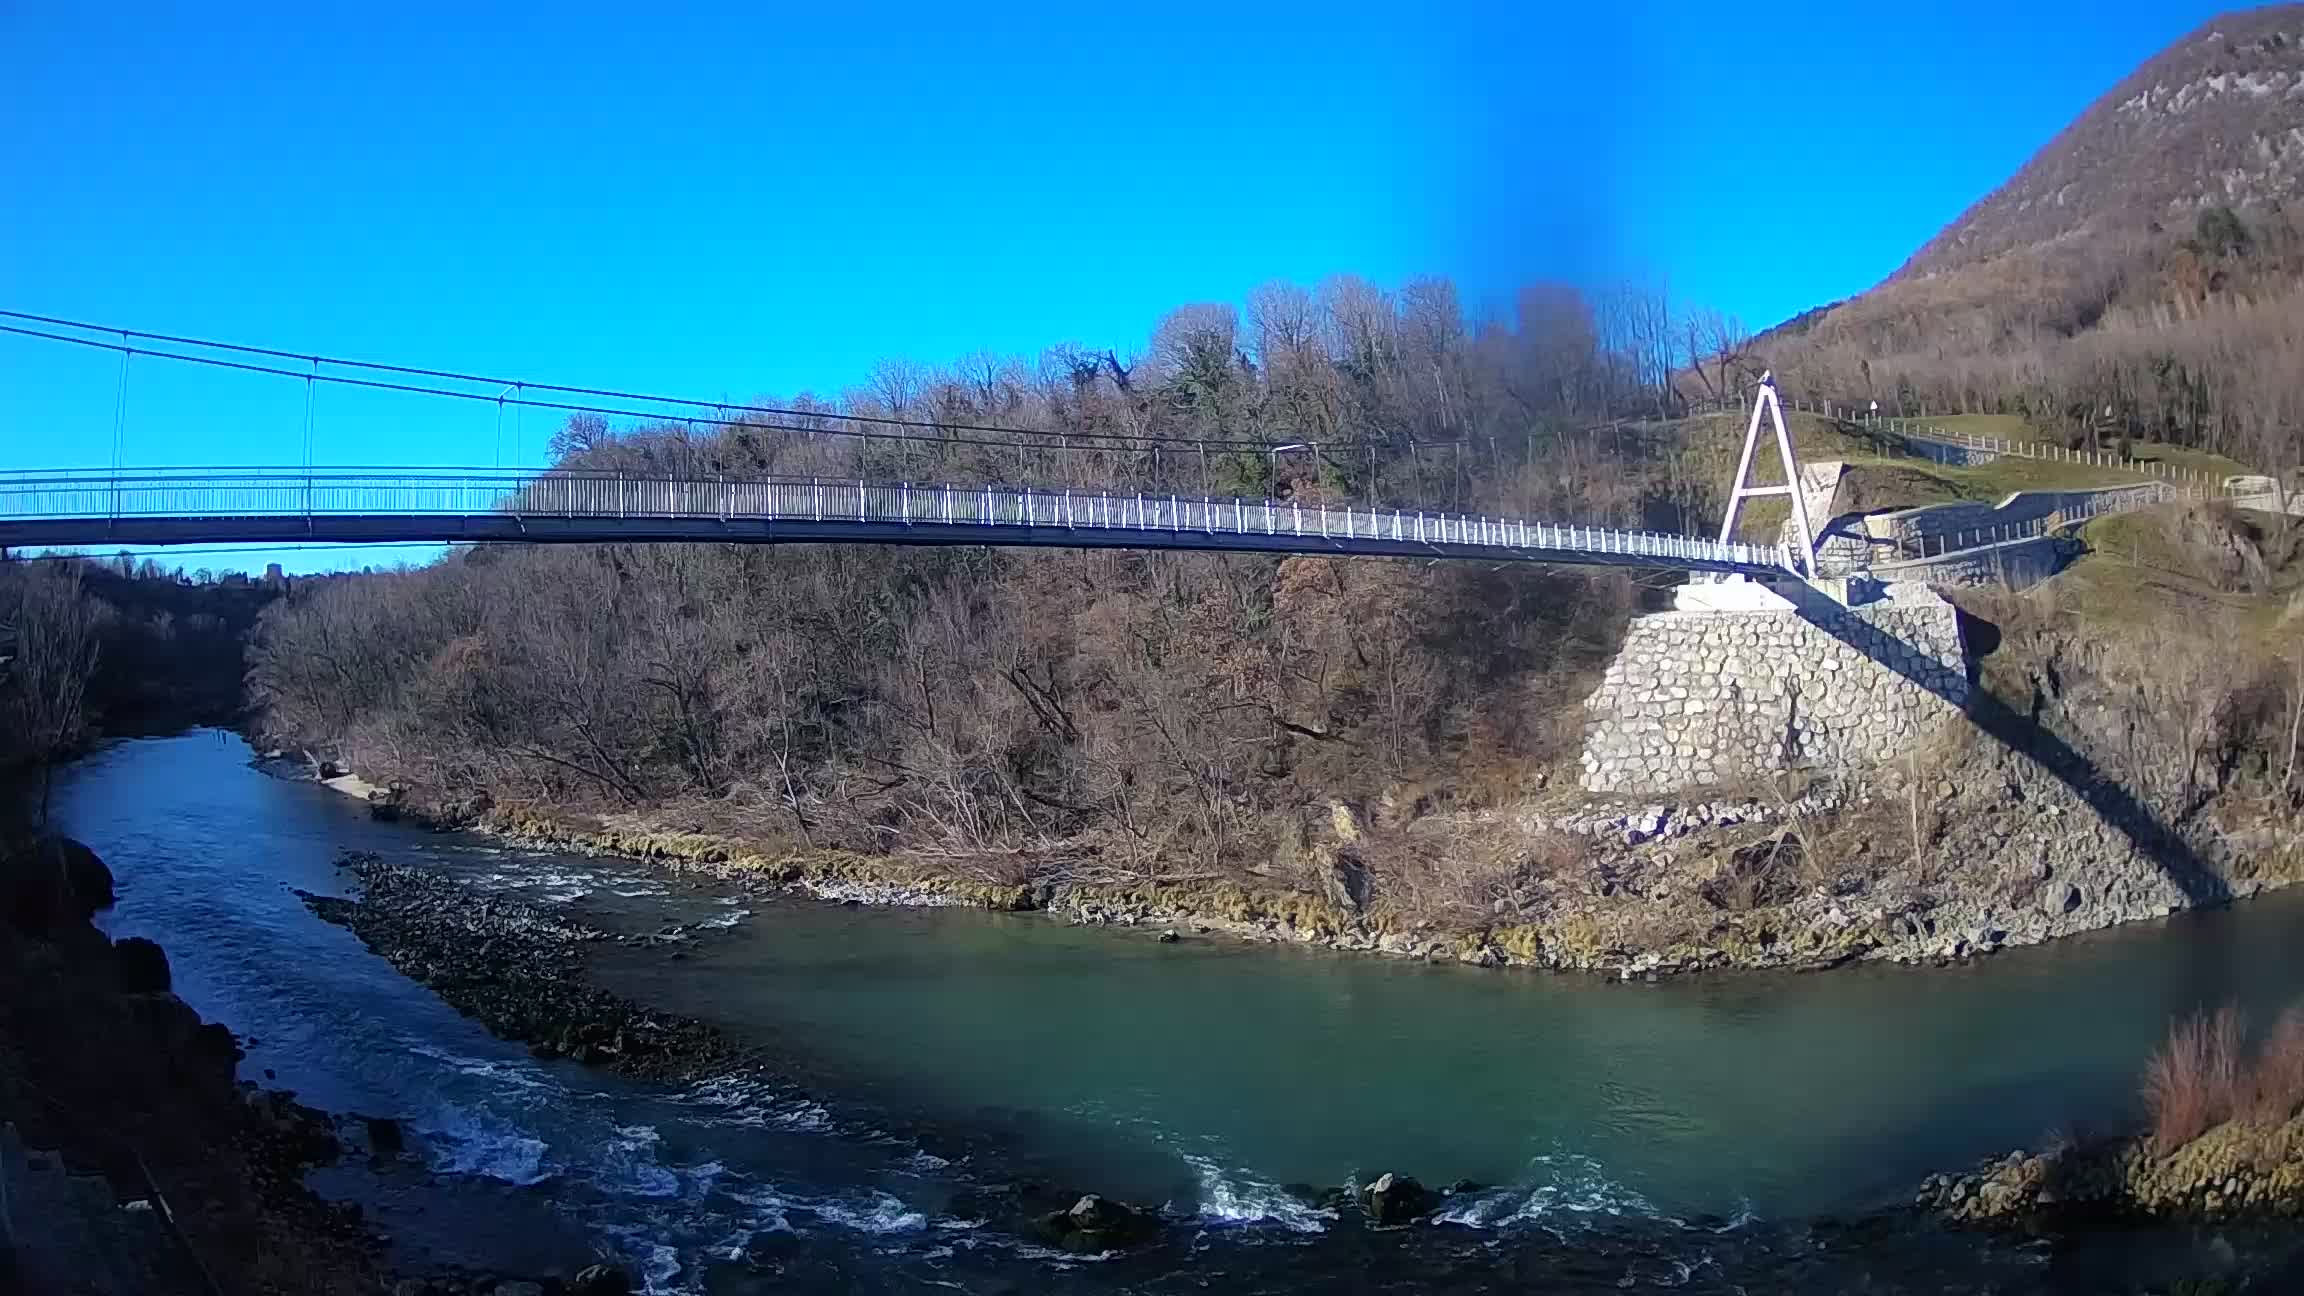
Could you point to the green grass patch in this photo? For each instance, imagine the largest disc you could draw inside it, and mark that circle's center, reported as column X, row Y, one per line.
column 2216, row 466
column 2013, row 428
column 2156, row 563
column 2008, row 474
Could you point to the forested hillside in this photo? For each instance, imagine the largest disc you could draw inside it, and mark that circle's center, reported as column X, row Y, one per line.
column 89, row 649
column 1136, row 707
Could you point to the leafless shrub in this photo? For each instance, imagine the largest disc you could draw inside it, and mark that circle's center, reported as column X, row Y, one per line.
column 2195, row 1080
column 2276, row 1079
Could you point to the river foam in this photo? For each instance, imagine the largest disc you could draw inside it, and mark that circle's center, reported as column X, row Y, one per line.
column 462, row 1140
column 1233, row 1198
column 1558, row 1191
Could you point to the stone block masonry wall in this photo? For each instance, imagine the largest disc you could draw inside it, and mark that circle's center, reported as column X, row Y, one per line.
column 1702, row 698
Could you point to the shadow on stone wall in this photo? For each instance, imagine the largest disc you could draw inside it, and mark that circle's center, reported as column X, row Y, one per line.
column 2024, row 735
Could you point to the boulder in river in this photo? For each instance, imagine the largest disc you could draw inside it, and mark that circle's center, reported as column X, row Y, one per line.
column 143, row 967
column 1098, row 1224
column 1395, row 1199
column 386, row 1137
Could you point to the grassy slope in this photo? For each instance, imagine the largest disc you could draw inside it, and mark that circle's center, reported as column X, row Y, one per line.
column 2009, row 427
column 2138, row 568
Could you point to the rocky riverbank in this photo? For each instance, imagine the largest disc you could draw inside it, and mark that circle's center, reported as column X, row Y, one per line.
column 2237, row 1170
column 133, row 1162
column 1990, row 850
column 142, row 1165
column 518, row 969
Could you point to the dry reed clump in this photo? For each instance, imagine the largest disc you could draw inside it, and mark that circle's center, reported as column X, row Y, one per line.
column 2205, row 1075
column 2278, row 1076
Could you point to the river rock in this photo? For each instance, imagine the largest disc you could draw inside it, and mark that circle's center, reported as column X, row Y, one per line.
column 1395, row 1199
column 386, row 1138
column 58, row 882
column 1098, row 1224
column 517, row 967
column 143, row 966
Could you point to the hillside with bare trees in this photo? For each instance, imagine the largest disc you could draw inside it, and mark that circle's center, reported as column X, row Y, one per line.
column 1148, row 711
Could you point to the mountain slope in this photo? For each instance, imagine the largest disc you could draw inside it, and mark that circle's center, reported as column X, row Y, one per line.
column 2142, row 277
column 2217, row 119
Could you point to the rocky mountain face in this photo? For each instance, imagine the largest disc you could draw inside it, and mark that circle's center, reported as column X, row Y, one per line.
column 2217, row 119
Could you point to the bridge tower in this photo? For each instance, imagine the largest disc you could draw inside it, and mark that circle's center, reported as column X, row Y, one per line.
column 1766, row 403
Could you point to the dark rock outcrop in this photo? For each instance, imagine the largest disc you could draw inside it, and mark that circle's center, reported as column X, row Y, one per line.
column 54, row 883
column 103, row 1065
column 386, row 1137
column 143, row 967
column 1098, row 1224
column 1395, row 1199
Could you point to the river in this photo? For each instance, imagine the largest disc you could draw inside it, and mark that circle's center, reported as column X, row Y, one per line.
column 1680, row 1135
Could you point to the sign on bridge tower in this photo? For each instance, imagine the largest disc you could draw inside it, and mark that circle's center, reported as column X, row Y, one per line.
column 1765, row 402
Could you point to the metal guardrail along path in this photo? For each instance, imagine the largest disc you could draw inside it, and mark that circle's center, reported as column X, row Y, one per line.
column 175, row 506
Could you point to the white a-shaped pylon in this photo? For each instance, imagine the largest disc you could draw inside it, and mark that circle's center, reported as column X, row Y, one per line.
column 1766, row 402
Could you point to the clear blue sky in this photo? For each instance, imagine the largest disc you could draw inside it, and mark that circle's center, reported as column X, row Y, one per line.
column 768, row 199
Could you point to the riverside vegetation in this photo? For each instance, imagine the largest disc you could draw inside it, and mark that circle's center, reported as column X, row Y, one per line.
column 2225, row 1138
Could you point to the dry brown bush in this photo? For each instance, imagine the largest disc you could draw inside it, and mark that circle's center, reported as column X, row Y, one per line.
column 2276, row 1081
column 1439, row 878
column 2194, row 1081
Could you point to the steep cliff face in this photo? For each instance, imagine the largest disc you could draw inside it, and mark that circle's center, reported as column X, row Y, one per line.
column 2217, row 119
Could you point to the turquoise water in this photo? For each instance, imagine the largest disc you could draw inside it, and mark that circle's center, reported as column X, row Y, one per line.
column 1782, row 1093
column 1677, row 1135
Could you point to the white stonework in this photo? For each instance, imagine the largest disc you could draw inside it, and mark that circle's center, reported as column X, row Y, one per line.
column 1698, row 698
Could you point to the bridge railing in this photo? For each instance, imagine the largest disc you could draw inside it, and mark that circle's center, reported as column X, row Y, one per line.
column 277, row 492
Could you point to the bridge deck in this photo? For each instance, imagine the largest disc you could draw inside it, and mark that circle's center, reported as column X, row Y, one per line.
column 283, row 505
